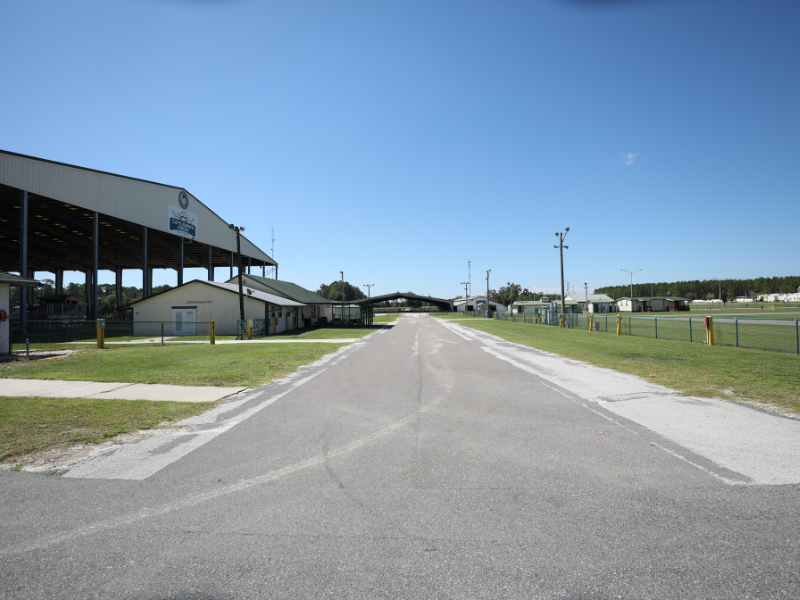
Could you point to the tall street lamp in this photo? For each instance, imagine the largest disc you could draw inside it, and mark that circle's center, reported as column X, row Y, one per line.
column 342, row 315
column 631, row 274
column 561, row 235
column 239, row 252
column 487, row 291
column 369, row 290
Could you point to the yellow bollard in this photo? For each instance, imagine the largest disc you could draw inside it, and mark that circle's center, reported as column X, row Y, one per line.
column 100, row 335
column 591, row 322
column 523, row 318
column 539, row 318
column 709, row 323
column 212, row 334
column 249, row 330
column 619, row 324
column 561, row 320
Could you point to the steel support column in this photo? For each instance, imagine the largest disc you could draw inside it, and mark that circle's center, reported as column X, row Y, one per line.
column 249, row 264
column 231, row 277
column 23, row 267
column 210, row 266
column 263, row 270
column 118, row 286
column 180, row 261
column 59, row 281
column 145, row 288
column 95, row 260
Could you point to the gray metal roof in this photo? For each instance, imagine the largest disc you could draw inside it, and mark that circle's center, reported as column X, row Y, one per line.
column 248, row 292
column 136, row 201
column 10, row 278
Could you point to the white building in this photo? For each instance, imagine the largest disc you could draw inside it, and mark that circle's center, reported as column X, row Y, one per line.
column 314, row 307
column 476, row 303
column 652, row 304
column 202, row 301
column 594, row 303
column 6, row 281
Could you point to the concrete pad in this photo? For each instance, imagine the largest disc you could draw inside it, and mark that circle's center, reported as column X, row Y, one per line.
column 56, row 388
column 171, row 393
column 115, row 390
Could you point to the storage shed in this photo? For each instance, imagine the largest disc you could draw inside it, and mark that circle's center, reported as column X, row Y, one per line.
column 315, row 306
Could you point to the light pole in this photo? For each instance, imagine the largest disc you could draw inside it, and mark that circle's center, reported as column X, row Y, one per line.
column 239, row 252
column 342, row 315
column 586, row 294
column 369, row 290
column 487, row 291
column 561, row 235
column 631, row 274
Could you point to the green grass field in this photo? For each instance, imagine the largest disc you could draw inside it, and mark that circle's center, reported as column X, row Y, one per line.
column 693, row 369
column 385, row 319
column 196, row 364
column 34, row 424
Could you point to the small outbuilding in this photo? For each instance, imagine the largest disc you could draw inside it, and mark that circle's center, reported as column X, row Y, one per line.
column 594, row 303
column 202, row 301
column 475, row 303
column 528, row 307
column 652, row 304
column 6, row 281
column 315, row 307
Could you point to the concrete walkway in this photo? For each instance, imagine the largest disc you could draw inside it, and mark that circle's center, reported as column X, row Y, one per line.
column 117, row 391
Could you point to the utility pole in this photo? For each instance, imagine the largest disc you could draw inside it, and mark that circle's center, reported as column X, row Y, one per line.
column 586, row 294
column 369, row 290
column 466, row 288
column 239, row 252
column 469, row 277
column 631, row 274
column 342, row 272
column 561, row 235
column 487, row 290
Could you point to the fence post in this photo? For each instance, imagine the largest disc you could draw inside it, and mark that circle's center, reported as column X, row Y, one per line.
column 690, row 329
column 736, row 321
column 796, row 338
column 162, row 333
column 27, row 349
column 655, row 319
column 212, row 333
column 629, row 325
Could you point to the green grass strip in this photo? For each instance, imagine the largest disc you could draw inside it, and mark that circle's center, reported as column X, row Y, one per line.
column 691, row 368
column 248, row 365
column 34, row 424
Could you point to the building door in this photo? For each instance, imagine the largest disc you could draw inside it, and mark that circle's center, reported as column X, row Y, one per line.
column 183, row 321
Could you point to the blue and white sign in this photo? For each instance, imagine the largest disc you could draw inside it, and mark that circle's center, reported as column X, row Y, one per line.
column 183, row 200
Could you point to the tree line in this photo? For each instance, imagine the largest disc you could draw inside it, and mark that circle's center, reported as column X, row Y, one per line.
column 708, row 289
column 106, row 294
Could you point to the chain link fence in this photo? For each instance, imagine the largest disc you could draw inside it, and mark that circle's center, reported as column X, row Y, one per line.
column 54, row 335
column 772, row 334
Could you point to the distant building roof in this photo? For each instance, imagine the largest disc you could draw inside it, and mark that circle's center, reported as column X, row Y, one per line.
column 11, row 279
column 647, row 298
column 591, row 298
column 288, row 289
column 530, row 303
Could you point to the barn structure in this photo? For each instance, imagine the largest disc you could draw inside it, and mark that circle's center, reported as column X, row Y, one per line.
column 56, row 217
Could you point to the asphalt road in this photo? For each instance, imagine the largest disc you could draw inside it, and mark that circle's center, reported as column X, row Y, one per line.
column 414, row 464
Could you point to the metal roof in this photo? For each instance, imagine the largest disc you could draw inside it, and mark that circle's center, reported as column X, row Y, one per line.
column 646, row 298
column 233, row 288
column 406, row 296
column 530, row 303
column 287, row 289
column 62, row 199
column 12, row 279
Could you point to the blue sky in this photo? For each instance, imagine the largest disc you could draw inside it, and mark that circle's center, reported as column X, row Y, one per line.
column 398, row 140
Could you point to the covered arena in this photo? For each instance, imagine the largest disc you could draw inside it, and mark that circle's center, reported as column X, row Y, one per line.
column 57, row 217
column 444, row 305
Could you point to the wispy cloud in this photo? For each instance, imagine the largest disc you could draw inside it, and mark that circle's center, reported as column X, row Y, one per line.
column 629, row 157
